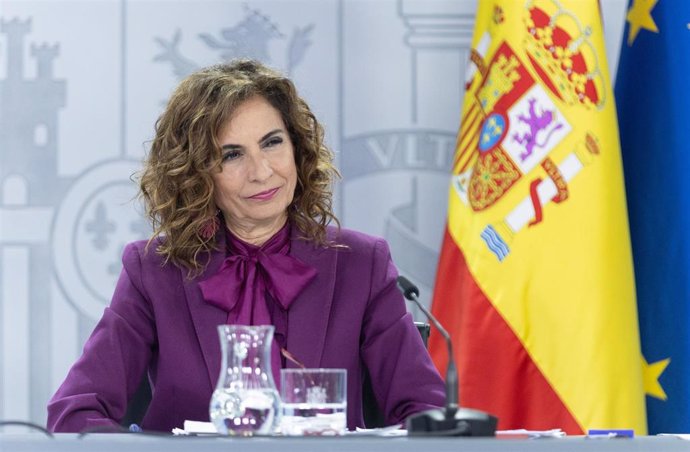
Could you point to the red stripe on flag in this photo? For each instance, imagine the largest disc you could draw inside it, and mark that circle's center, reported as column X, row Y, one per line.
column 497, row 375
column 469, row 127
column 472, row 156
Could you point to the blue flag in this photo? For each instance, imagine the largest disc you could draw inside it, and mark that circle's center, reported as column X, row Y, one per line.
column 653, row 100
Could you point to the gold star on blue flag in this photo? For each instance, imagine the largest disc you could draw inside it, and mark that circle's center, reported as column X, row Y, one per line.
column 640, row 17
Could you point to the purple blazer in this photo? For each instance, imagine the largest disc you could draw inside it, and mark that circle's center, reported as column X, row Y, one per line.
column 351, row 316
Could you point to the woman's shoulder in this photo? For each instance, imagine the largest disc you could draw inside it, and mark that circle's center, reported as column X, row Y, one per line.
column 143, row 253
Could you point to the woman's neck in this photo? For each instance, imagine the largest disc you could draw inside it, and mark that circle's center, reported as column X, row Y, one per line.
column 256, row 234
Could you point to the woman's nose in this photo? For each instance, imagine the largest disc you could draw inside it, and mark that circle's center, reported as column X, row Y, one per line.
column 260, row 168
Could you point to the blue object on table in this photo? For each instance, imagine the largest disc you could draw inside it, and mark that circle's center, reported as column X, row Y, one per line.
column 134, row 428
column 611, row 433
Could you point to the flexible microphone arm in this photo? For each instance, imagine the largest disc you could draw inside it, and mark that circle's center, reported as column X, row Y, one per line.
column 453, row 420
column 411, row 292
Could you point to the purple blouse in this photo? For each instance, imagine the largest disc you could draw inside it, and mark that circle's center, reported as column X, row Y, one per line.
column 255, row 285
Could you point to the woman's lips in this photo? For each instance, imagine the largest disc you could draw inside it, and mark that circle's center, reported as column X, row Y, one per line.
column 264, row 195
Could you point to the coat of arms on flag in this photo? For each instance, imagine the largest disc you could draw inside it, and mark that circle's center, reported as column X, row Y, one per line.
column 512, row 125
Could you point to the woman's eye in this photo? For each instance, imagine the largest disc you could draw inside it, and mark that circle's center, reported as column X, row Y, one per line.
column 273, row 142
column 231, row 155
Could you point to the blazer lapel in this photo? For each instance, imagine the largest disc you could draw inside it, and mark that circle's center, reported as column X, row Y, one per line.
column 309, row 313
column 205, row 316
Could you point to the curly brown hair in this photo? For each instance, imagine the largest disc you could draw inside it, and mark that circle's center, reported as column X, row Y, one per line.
column 176, row 184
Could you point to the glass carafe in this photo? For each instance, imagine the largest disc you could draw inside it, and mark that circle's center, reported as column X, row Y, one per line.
column 245, row 401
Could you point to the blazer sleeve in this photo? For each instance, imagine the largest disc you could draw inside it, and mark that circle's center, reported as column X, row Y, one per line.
column 404, row 379
column 98, row 386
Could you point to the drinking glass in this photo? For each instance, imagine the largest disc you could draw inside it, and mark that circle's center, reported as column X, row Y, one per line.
column 314, row 401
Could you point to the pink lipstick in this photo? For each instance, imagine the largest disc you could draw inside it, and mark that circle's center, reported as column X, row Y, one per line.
column 265, row 195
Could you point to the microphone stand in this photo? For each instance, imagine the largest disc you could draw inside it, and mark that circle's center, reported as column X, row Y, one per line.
column 451, row 420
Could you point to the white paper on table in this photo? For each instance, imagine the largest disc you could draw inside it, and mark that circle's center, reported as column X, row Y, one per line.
column 196, row 428
column 393, row 430
column 683, row 436
column 207, row 428
column 553, row 433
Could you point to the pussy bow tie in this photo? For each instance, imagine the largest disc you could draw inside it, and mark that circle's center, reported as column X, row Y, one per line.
column 240, row 284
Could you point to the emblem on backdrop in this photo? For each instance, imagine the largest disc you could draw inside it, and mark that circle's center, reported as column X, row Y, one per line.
column 251, row 37
column 81, row 221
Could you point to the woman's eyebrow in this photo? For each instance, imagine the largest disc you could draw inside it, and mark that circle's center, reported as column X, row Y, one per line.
column 234, row 147
column 270, row 134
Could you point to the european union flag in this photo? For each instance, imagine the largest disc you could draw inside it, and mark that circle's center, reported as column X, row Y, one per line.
column 653, row 99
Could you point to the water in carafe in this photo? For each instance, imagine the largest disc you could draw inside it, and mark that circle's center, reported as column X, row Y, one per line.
column 245, row 401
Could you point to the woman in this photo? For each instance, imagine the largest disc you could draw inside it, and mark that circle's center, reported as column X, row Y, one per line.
column 238, row 187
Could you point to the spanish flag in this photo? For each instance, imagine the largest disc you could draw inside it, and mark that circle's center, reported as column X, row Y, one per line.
column 535, row 280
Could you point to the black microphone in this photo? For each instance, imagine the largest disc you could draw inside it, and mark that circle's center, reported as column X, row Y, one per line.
column 453, row 420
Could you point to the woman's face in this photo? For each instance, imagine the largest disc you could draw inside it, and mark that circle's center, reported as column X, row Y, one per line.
column 258, row 177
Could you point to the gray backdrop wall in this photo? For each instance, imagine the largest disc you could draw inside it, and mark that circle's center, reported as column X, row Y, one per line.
column 82, row 82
